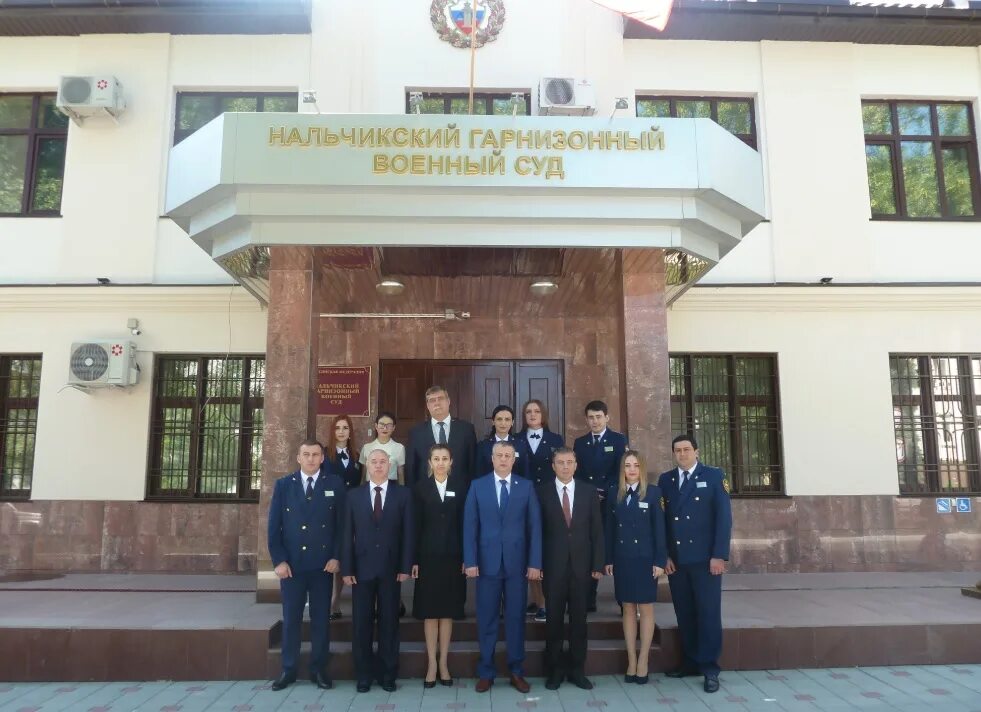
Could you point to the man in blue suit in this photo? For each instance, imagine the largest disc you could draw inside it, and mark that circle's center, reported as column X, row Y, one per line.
column 502, row 547
column 598, row 453
column 304, row 542
column 698, row 516
column 376, row 557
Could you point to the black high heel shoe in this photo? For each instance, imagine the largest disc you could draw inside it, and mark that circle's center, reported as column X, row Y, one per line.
column 448, row 682
column 630, row 678
column 429, row 684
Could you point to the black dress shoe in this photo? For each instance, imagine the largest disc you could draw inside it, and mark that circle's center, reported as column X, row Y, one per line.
column 429, row 684
column 581, row 681
column 388, row 685
column 401, row 610
column 711, row 683
column 282, row 682
column 681, row 672
column 364, row 687
column 448, row 682
column 335, row 615
column 321, row 681
column 629, row 679
column 552, row 682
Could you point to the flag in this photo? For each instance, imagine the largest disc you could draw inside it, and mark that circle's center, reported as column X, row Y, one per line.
column 651, row 12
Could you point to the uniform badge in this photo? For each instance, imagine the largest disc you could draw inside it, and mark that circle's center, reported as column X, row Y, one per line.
column 454, row 20
column 725, row 484
column 663, row 504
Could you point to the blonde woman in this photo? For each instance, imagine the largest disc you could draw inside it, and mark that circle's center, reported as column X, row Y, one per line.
column 636, row 554
column 438, row 572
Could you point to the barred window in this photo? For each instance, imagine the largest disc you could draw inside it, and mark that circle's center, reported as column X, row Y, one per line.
column 20, row 382
column 922, row 160
column 195, row 109
column 936, row 403
column 734, row 114
column 730, row 404
column 33, row 139
column 494, row 104
column 206, row 432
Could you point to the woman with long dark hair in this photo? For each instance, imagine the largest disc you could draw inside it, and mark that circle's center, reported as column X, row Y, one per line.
column 341, row 459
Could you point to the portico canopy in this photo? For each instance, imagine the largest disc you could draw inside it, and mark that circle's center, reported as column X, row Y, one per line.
column 245, row 182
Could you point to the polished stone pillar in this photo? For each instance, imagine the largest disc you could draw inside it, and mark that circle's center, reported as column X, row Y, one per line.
column 291, row 369
column 644, row 361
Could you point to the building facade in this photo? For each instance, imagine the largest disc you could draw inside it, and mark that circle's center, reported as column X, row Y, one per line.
column 830, row 361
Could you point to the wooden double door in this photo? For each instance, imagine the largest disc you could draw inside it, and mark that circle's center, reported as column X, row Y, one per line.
column 475, row 389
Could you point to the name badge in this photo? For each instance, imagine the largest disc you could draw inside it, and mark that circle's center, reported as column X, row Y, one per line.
column 329, row 493
column 516, row 454
column 450, row 494
column 700, row 485
column 608, row 448
column 643, row 505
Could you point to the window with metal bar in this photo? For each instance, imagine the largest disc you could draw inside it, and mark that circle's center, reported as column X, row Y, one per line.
column 488, row 103
column 33, row 138
column 206, row 430
column 195, row 108
column 936, row 403
column 922, row 160
column 734, row 114
column 730, row 403
column 20, row 383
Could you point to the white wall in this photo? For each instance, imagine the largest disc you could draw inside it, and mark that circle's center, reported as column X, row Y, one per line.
column 94, row 445
column 832, row 347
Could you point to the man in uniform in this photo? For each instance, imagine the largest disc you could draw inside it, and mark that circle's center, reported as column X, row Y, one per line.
column 598, row 454
column 698, row 516
column 304, row 543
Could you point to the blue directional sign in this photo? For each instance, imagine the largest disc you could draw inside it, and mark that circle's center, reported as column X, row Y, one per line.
column 964, row 504
column 944, row 505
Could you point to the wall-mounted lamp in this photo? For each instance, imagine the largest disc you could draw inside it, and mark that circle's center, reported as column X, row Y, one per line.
column 415, row 102
column 544, row 287
column 621, row 103
column 310, row 97
column 390, row 287
column 517, row 102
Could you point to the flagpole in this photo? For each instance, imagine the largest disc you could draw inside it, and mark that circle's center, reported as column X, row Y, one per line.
column 473, row 53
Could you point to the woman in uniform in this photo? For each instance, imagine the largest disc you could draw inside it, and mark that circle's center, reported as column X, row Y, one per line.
column 440, row 587
column 341, row 459
column 503, row 418
column 636, row 553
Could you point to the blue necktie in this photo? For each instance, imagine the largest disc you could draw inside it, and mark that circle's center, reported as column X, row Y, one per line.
column 686, row 478
column 504, row 496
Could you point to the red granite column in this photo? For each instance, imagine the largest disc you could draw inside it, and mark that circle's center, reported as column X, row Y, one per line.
column 644, row 362
column 291, row 362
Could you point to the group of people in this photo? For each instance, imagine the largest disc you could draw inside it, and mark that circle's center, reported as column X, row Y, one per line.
column 523, row 515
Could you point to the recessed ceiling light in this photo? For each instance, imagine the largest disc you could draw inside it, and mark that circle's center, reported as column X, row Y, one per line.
column 390, row 287
column 544, row 287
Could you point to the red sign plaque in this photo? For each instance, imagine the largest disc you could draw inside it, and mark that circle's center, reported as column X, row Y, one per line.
column 343, row 390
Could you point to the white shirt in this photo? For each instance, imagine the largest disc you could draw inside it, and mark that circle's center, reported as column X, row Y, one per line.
column 596, row 437
column 572, row 491
column 533, row 443
column 497, row 484
column 682, row 471
column 435, row 425
column 344, row 451
column 384, row 492
column 441, row 488
column 304, row 477
column 631, row 494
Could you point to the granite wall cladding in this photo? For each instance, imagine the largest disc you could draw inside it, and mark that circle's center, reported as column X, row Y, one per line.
column 793, row 534
column 178, row 537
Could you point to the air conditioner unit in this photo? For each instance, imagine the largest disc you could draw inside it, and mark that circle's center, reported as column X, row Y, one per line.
column 102, row 363
column 559, row 96
column 81, row 97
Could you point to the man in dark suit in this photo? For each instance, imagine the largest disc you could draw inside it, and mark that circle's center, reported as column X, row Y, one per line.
column 598, row 453
column 376, row 557
column 573, row 556
column 502, row 547
column 442, row 428
column 699, row 529
column 304, row 543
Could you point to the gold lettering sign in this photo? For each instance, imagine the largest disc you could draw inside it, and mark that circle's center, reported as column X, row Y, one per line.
column 541, row 145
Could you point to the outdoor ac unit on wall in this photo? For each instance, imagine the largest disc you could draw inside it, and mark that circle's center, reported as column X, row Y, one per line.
column 102, row 363
column 81, row 97
column 559, row 96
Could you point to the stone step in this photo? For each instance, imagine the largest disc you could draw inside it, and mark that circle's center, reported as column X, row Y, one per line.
column 411, row 630
column 605, row 657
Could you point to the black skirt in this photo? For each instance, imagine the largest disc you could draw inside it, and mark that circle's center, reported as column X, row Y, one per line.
column 440, row 590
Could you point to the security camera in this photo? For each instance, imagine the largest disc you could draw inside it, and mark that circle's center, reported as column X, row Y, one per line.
column 134, row 326
column 135, row 331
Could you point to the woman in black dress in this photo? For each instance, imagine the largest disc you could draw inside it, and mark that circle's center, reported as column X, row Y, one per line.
column 636, row 553
column 440, row 585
